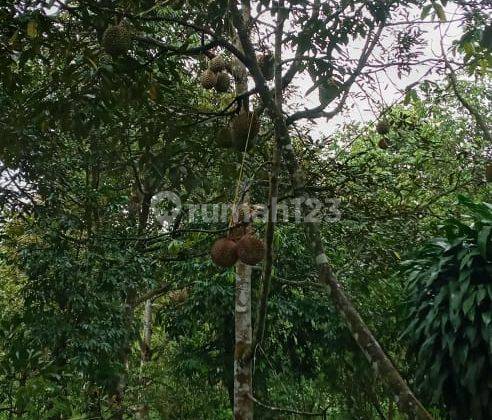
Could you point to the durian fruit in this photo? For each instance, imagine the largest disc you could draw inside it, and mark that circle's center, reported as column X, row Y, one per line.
column 488, row 172
column 267, row 65
column 245, row 128
column 383, row 144
column 224, row 252
column 223, row 82
column 224, row 138
column 250, row 249
column 237, row 232
column 383, row 127
column 208, row 79
column 328, row 91
column 217, row 64
column 178, row 296
column 241, row 214
column 117, row 40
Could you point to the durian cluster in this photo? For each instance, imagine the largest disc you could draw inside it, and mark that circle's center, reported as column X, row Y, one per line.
column 238, row 245
column 215, row 76
column 117, row 39
column 267, row 65
column 242, row 132
column 383, row 127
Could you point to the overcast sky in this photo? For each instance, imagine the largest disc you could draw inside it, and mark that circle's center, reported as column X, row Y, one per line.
column 391, row 87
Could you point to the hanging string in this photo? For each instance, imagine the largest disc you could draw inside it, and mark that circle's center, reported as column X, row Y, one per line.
column 241, row 169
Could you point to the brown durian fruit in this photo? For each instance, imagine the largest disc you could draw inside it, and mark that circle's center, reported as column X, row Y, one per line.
column 224, row 138
column 250, row 249
column 488, row 172
column 383, row 144
column 241, row 215
column 224, row 252
column 267, row 65
column 178, row 296
column 223, row 83
column 383, row 127
column 217, row 64
column 117, row 40
column 245, row 128
column 237, row 232
column 328, row 91
column 208, row 79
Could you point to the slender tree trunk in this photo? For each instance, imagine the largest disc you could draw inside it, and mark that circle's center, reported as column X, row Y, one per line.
column 243, row 375
column 272, row 192
column 243, row 372
column 360, row 332
column 147, row 333
column 119, row 392
column 145, row 354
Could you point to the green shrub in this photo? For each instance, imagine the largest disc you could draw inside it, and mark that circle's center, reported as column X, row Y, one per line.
column 450, row 314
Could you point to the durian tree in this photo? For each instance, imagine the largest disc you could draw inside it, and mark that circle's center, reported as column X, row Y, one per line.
column 104, row 97
column 87, row 155
column 344, row 25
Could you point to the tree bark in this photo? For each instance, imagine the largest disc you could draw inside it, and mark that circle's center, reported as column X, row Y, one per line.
column 273, row 189
column 145, row 353
column 118, row 408
column 243, row 371
column 147, row 333
column 243, row 375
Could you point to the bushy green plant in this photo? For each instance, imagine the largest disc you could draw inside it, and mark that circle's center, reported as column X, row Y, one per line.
column 450, row 308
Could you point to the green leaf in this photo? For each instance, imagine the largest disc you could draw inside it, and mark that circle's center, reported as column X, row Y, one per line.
column 425, row 11
column 410, row 96
column 469, row 48
column 32, row 29
column 483, row 240
column 439, row 12
column 468, row 306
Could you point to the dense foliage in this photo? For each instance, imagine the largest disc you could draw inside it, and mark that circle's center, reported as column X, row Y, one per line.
column 450, row 286
column 90, row 135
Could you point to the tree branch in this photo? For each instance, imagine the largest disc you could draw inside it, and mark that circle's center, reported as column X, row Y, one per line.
column 319, row 110
column 259, row 331
column 480, row 121
column 177, row 50
column 287, row 410
column 152, row 294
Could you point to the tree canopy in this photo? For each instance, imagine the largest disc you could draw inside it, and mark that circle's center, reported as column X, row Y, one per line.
column 337, row 148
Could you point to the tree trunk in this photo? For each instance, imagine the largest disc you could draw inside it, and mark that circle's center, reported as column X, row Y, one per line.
column 147, row 333
column 145, row 354
column 243, row 404
column 243, row 372
column 118, row 408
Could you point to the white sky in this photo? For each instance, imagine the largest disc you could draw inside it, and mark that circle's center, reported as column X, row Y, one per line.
column 392, row 87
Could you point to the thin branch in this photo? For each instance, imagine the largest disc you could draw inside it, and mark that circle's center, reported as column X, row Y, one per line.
column 318, row 111
column 273, row 190
column 152, row 294
column 301, row 48
column 288, row 410
column 479, row 120
column 177, row 50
